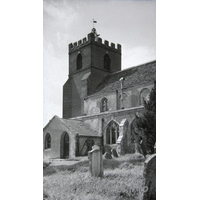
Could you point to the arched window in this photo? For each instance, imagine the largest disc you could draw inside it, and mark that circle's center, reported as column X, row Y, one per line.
column 79, row 61
column 47, row 141
column 107, row 62
column 112, row 133
column 104, row 105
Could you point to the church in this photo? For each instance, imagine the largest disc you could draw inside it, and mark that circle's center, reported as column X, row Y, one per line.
column 100, row 101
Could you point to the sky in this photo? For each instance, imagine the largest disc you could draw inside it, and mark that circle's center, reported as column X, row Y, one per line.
column 129, row 23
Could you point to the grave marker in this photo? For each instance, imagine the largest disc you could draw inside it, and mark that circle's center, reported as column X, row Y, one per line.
column 149, row 175
column 95, row 162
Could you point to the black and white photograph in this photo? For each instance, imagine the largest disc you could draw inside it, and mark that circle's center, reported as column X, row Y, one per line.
column 99, row 100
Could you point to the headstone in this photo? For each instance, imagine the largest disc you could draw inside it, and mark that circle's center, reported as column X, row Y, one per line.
column 119, row 149
column 107, row 155
column 95, row 162
column 107, row 148
column 114, row 153
column 149, row 175
column 95, row 147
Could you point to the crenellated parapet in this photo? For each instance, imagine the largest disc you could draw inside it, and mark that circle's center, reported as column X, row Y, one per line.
column 92, row 39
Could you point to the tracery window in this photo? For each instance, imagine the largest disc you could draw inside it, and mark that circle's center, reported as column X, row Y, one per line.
column 112, row 133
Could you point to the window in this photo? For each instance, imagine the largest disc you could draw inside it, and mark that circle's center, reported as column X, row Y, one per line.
column 104, row 105
column 107, row 62
column 112, row 133
column 79, row 61
column 47, row 141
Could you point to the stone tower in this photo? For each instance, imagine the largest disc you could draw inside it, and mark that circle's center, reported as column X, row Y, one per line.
column 89, row 61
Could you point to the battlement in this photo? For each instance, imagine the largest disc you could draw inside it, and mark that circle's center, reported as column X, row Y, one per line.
column 95, row 40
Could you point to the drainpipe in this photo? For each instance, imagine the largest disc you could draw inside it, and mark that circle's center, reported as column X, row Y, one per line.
column 121, row 80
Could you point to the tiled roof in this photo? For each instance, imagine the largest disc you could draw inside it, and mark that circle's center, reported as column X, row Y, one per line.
column 133, row 76
column 78, row 126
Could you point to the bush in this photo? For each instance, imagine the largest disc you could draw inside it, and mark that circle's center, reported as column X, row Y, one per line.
column 147, row 122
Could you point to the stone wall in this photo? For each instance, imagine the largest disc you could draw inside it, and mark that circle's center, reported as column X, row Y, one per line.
column 85, row 52
column 132, row 98
column 75, row 89
column 56, row 130
column 98, row 53
column 100, row 121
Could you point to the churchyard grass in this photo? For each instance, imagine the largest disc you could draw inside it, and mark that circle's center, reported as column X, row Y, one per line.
column 122, row 180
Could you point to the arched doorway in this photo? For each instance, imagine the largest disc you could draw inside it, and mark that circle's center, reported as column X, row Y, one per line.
column 64, row 146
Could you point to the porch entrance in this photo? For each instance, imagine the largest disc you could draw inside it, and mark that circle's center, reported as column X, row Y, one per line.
column 64, row 146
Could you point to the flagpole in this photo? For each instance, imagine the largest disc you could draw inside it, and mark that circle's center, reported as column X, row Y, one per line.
column 93, row 21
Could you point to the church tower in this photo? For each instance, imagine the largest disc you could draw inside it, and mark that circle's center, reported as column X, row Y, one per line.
column 89, row 61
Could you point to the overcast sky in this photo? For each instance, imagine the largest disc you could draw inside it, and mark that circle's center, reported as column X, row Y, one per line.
column 129, row 23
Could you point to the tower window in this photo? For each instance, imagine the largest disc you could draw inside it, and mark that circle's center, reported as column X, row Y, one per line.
column 104, row 105
column 107, row 62
column 79, row 61
column 48, row 141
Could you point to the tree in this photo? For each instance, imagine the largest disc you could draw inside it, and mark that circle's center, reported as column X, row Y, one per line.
column 147, row 122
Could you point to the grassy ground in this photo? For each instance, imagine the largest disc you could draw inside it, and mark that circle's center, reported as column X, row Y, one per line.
column 122, row 180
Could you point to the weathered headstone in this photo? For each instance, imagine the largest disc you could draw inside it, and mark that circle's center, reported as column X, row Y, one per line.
column 114, row 153
column 107, row 155
column 95, row 147
column 119, row 149
column 149, row 175
column 95, row 162
column 107, row 148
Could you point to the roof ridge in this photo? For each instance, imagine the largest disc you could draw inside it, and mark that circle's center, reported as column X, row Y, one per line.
column 133, row 67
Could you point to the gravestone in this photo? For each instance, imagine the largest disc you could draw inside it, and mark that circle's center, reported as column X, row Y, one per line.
column 107, row 155
column 119, row 149
column 95, row 147
column 114, row 153
column 149, row 175
column 95, row 162
column 107, row 148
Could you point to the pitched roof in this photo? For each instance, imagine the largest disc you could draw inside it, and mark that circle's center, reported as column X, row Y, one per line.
column 137, row 75
column 77, row 126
